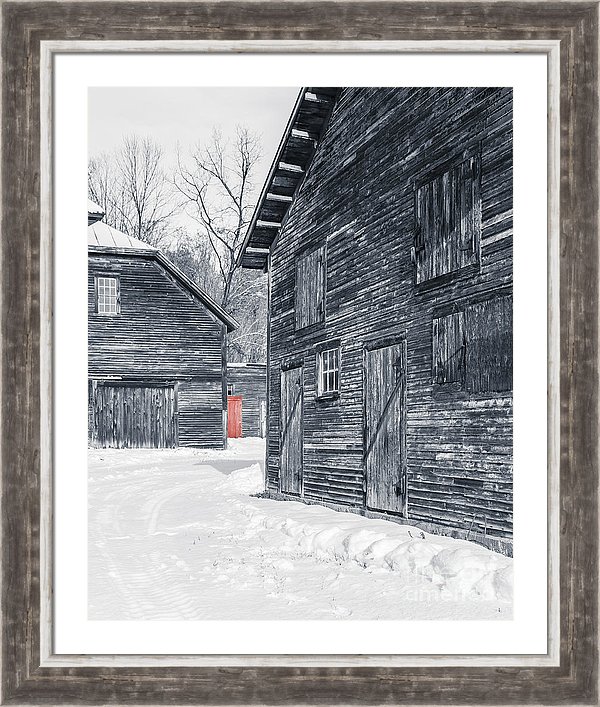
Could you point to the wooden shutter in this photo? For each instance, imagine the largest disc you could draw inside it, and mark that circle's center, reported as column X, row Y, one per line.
column 423, row 232
column 489, row 365
column 449, row 348
column 310, row 288
column 469, row 203
column 448, row 221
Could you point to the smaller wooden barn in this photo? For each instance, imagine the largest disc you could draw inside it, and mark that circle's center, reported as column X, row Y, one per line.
column 156, row 348
column 247, row 399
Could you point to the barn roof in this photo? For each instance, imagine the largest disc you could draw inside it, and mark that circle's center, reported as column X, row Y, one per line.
column 104, row 239
column 105, row 236
column 303, row 133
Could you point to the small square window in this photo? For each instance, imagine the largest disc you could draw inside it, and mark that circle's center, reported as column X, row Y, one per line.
column 107, row 295
column 329, row 372
column 230, row 388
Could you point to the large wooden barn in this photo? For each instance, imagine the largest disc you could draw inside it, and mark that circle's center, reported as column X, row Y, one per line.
column 386, row 227
column 156, row 348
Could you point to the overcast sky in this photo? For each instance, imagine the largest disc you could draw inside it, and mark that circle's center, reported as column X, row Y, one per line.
column 187, row 116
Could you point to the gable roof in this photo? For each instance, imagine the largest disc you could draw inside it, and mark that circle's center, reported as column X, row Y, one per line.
column 298, row 145
column 105, row 240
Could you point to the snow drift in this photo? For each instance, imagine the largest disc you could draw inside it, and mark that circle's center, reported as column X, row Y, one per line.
column 458, row 567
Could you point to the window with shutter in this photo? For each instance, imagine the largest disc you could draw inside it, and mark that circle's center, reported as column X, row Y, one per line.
column 310, row 288
column 448, row 221
column 489, row 363
column 473, row 347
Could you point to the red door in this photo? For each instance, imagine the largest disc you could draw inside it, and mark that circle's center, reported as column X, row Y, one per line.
column 234, row 416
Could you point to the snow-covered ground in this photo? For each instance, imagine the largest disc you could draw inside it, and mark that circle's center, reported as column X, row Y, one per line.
column 175, row 534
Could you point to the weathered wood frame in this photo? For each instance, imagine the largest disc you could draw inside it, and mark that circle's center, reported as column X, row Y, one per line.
column 31, row 673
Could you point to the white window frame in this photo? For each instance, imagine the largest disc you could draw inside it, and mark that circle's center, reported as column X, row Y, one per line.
column 328, row 371
column 104, row 285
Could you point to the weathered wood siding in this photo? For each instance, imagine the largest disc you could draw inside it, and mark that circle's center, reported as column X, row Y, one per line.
column 162, row 334
column 126, row 416
column 359, row 201
column 250, row 382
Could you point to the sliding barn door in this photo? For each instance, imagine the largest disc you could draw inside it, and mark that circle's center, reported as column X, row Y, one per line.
column 385, row 455
column 290, row 459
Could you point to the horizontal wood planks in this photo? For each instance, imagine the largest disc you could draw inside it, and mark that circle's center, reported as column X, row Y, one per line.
column 358, row 202
column 161, row 329
column 162, row 333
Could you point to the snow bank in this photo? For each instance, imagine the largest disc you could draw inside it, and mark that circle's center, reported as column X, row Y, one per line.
column 452, row 566
column 244, row 481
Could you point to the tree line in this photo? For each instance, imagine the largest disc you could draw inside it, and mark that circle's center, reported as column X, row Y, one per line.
column 197, row 212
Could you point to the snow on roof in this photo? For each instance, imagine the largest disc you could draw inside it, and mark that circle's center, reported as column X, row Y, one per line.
column 95, row 212
column 104, row 236
column 93, row 208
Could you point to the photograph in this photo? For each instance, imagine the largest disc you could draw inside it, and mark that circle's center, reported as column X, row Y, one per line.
column 300, row 353
column 306, row 412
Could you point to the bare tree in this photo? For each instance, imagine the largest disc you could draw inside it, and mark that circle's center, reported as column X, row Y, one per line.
column 217, row 186
column 248, row 303
column 133, row 189
column 194, row 256
column 217, row 190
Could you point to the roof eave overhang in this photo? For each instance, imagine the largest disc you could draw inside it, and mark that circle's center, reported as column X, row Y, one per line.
column 304, row 131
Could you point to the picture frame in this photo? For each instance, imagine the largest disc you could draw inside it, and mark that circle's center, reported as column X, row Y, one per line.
column 31, row 32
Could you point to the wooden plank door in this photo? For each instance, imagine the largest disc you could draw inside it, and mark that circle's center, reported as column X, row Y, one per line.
column 127, row 416
column 385, row 423
column 234, row 416
column 291, row 448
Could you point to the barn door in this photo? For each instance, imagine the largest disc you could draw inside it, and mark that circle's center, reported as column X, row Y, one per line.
column 126, row 416
column 291, row 431
column 385, row 455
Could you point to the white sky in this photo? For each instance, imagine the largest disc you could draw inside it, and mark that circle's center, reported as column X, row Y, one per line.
column 187, row 116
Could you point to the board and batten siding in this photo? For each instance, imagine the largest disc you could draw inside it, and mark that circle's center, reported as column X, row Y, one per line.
column 162, row 334
column 358, row 202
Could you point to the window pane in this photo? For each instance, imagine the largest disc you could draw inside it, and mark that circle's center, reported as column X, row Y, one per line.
column 328, row 374
column 107, row 295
